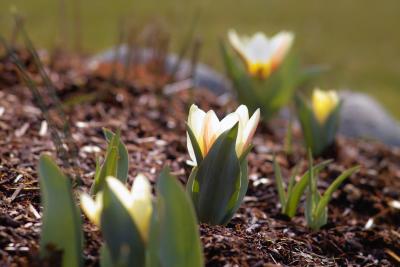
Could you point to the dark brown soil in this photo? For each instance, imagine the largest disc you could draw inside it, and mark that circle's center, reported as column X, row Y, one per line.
column 153, row 128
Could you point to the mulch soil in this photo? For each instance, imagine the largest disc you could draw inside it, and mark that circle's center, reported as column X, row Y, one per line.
column 153, row 129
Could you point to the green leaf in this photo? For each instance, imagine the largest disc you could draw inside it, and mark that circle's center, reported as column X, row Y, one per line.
column 316, row 136
column 61, row 221
column 240, row 193
column 279, row 184
column 323, row 203
column 192, row 187
column 298, row 190
column 105, row 257
column 120, row 233
column 195, row 145
column 217, row 176
column 123, row 157
column 292, row 179
column 331, row 125
column 152, row 259
column 109, row 167
column 179, row 239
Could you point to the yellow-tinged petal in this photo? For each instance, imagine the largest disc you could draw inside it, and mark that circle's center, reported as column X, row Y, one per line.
column 228, row 122
column 142, row 206
column 211, row 129
column 137, row 202
column 249, row 131
column 92, row 208
column 323, row 103
column 260, row 70
column 247, row 128
column 196, row 123
column 281, row 44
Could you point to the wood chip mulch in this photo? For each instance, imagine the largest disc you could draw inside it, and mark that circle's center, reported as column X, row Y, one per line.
column 364, row 217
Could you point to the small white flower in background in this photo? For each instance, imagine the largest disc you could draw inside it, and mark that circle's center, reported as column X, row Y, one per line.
column 323, row 103
column 261, row 54
column 206, row 128
column 138, row 202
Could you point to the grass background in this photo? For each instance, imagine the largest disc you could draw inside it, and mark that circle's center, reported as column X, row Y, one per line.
column 358, row 39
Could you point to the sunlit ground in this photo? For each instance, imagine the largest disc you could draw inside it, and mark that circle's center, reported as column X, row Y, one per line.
column 359, row 39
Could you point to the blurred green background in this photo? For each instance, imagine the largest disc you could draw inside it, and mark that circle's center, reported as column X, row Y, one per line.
column 358, row 39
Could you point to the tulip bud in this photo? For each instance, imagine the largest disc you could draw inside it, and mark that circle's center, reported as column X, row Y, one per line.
column 218, row 151
column 138, row 202
column 206, row 128
column 319, row 120
column 323, row 103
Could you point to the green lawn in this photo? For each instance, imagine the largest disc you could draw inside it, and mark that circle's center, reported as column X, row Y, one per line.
column 359, row 39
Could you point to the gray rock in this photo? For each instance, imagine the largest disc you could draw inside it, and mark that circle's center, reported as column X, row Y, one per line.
column 361, row 115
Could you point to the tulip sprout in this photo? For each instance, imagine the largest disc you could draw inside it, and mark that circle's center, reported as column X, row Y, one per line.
column 290, row 197
column 115, row 163
column 218, row 150
column 319, row 120
column 316, row 206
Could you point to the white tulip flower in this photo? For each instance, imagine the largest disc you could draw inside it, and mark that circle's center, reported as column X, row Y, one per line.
column 206, row 128
column 261, row 54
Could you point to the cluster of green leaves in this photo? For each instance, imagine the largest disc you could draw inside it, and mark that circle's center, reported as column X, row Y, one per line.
column 269, row 94
column 317, row 137
column 173, row 236
column 316, row 208
column 218, row 184
column 174, row 239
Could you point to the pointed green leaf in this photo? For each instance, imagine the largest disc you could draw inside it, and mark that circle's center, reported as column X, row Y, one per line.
column 195, row 145
column 120, row 233
column 192, row 187
column 298, row 190
column 323, row 203
column 123, row 157
column 292, row 179
column 109, row 166
column 105, row 257
column 240, row 193
column 179, row 239
column 152, row 247
column 217, row 176
column 61, row 221
column 279, row 184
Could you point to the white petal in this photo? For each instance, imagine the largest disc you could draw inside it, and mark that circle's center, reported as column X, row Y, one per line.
column 141, row 187
column 196, row 120
column 228, row 122
column 191, row 150
column 211, row 128
column 249, row 131
column 258, row 49
column 243, row 113
column 92, row 208
column 141, row 206
column 120, row 191
column 236, row 42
